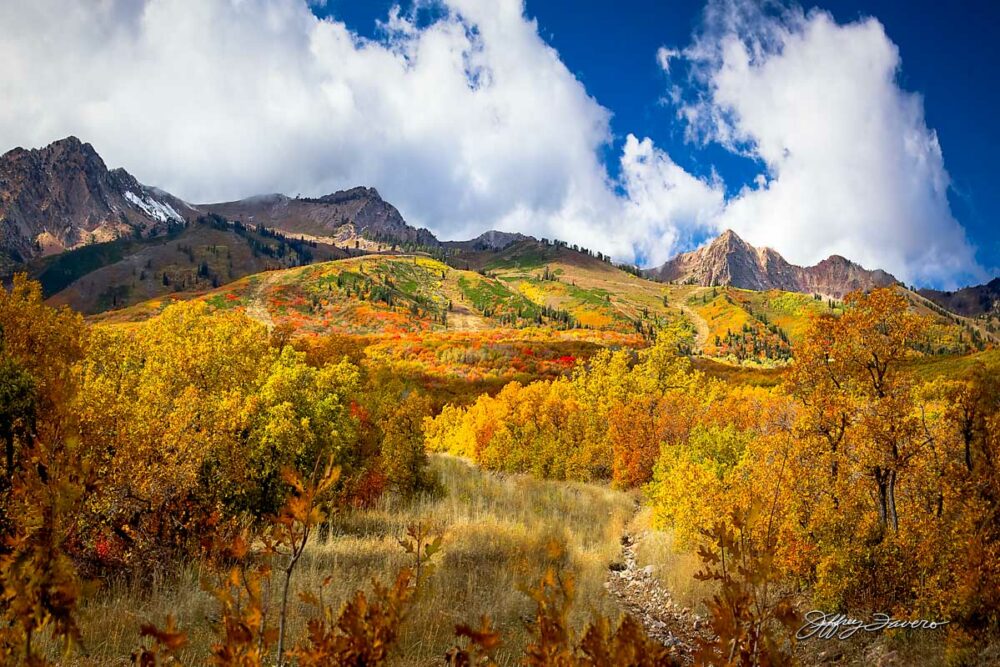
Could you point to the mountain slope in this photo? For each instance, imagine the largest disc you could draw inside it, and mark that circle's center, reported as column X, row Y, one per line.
column 532, row 291
column 63, row 196
column 730, row 261
column 342, row 217
column 408, row 293
column 491, row 240
column 969, row 301
column 593, row 291
column 194, row 257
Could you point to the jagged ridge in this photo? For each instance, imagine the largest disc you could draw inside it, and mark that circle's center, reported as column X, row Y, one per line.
column 63, row 196
column 729, row 260
column 338, row 216
column 968, row 301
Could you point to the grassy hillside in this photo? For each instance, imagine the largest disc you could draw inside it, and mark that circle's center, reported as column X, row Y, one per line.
column 591, row 291
column 410, row 293
column 455, row 333
column 951, row 333
column 201, row 256
column 743, row 326
column 496, row 535
column 561, row 293
column 953, row 365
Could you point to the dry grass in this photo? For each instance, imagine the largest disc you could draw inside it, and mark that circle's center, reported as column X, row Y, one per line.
column 496, row 531
column 675, row 569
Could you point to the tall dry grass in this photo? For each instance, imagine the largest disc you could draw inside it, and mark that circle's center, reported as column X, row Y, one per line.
column 674, row 568
column 496, row 532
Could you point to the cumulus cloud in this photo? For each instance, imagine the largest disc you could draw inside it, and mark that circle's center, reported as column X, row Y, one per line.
column 473, row 122
column 469, row 123
column 664, row 207
column 849, row 164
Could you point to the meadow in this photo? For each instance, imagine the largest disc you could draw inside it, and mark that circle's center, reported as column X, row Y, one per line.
column 496, row 534
column 206, row 481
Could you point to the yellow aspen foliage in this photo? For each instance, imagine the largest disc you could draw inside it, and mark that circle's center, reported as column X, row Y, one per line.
column 585, row 427
column 194, row 413
column 45, row 341
column 693, row 480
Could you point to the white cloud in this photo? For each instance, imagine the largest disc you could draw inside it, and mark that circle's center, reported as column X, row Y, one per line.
column 851, row 166
column 664, row 55
column 470, row 123
column 473, row 122
column 665, row 207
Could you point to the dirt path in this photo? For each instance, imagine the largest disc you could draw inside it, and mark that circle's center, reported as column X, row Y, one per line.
column 646, row 600
column 700, row 325
column 257, row 302
column 461, row 317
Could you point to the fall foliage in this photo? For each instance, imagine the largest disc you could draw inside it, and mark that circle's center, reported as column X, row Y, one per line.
column 202, row 434
column 888, row 486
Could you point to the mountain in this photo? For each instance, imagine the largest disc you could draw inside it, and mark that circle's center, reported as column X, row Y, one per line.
column 729, row 260
column 343, row 217
column 968, row 301
column 200, row 255
column 491, row 240
column 63, row 196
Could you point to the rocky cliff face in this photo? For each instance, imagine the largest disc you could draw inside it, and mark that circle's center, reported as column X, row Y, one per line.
column 837, row 276
column 968, row 301
column 63, row 196
column 729, row 260
column 491, row 240
column 342, row 215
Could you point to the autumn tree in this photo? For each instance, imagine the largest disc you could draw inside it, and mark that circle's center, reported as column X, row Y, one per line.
column 47, row 472
column 45, row 341
column 636, row 429
column 848, row 376
column 39, row 346
column 194, row 413
column 958, row 541
column 404, row 456
column 17, row 412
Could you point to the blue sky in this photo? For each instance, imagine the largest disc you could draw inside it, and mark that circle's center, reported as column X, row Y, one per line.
column 949, row 53
column 638, row 128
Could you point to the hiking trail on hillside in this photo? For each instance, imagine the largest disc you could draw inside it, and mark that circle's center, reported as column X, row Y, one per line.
column 646, row 600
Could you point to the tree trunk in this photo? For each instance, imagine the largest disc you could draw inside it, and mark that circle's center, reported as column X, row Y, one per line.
column 833, row 475
column 882, row 482
column 8, row 480
column 967, row 436
column 891, row 501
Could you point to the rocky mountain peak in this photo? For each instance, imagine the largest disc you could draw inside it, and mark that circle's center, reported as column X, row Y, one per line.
column 496, row 240
column 63, row 196
column 730, row 239
column 342, row 216
column 835, row 260
column 70, row 144
column 61, row 157
column 351, row 194
column 729, row 260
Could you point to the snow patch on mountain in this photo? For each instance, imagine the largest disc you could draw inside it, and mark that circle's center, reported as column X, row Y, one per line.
column 157, row 210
